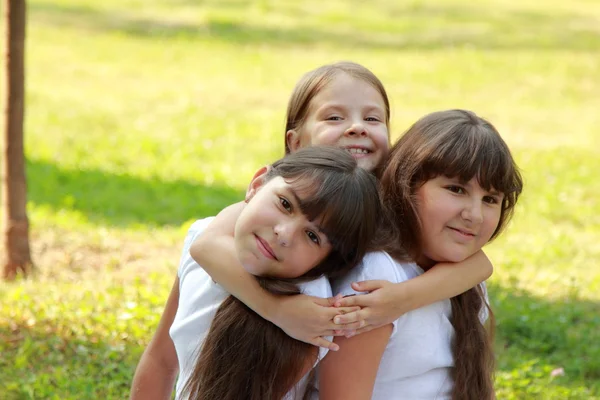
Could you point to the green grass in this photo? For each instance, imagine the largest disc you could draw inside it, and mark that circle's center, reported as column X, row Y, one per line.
column 145, row 115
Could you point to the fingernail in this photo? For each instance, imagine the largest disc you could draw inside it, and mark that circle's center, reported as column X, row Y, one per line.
column 335, row 348
column 336, row 320
column 349, row 335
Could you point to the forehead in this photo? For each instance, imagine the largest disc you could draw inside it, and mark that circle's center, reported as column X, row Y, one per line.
column 344, row 88
column 471, row 183
column 299, row 188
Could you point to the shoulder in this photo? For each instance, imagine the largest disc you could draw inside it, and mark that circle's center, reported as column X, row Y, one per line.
column 374, row 266
column 199, row 226
column 193, row 232
column 319, row 287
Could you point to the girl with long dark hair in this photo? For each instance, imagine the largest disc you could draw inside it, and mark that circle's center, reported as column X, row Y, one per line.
column 306, row 218
column 450, row 186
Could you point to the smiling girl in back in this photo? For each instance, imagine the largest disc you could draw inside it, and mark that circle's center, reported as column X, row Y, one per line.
column 305, row 218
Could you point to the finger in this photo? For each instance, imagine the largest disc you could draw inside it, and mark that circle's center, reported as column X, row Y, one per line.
column 327, row 302
column 322, row 342
column 350, row 301
column 357, row 316
column 350, row 327
column 368, row 286
column 347, row 310
column 364, row 329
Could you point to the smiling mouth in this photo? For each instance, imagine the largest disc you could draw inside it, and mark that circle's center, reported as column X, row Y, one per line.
column 358, row 151
column 264, row 248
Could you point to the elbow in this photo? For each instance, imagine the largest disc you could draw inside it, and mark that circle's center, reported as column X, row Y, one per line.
column 487, row 271
column 197, row 248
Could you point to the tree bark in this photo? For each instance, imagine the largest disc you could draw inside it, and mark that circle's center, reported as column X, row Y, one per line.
column 17, row 255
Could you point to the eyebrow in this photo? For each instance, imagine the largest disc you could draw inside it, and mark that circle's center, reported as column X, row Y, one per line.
column 492, row 192
column 339, row 106
column 299, row 202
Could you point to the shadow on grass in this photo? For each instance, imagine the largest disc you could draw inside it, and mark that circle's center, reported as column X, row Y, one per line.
column 410, row 27
column 124, row 200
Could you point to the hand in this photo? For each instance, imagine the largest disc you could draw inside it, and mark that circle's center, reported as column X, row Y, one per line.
column 383, row 305
column 308, row 318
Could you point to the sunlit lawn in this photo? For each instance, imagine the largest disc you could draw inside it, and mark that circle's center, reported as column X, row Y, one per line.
column 145, row 115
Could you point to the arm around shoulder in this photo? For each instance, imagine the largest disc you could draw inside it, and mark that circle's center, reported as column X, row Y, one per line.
column 157, row 370
column 445, row 280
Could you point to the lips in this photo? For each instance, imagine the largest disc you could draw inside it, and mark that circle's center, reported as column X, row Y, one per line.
column 463, row 232
column 264, row 248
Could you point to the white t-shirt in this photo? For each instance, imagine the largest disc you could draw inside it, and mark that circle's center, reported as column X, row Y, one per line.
column 199, row 299
column 418, row 358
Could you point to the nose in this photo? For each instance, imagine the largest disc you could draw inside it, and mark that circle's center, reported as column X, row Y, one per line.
column 356, row 129
column 284, row 233
column 473, row 212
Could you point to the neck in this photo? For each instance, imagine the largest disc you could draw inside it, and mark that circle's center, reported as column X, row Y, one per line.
column 425, row 262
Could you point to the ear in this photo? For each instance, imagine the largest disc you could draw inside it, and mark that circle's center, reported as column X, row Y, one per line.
column 257, row 181
column 292, row 138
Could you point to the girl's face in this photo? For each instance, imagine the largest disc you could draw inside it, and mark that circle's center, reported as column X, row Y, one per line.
column 457, row 218
column 347, row 113
column 272, row 235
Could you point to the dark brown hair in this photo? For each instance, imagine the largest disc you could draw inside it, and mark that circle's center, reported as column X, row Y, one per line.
column 247, row 357
column 316, row 80
column 453, row 143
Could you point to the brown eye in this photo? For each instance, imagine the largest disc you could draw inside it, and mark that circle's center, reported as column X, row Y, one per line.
column 285, row 204
column 313, row 237
column 490, row 200
column 455, row 189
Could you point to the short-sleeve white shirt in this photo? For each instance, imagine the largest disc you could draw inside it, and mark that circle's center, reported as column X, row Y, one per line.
column 199, row 299
column 418, row 358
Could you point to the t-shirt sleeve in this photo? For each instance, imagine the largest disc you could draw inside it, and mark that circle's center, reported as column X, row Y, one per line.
column 379, row 266
column 186, row 261
column 374, row 266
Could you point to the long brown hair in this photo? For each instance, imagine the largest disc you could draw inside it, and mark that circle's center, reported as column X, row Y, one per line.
column 316, row 80
column 453, row 143
column 247, row 357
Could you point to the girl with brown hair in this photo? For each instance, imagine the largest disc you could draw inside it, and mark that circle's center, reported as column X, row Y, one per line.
column 450, row 186
column 307, row 217
column 343, row 105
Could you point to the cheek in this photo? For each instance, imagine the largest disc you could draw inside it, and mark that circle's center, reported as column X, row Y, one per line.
column 492, row 220
column 381, row 139
column 326, row 137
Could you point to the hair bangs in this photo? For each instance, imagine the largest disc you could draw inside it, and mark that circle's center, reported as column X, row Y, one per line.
column 468, row 152
column 338, row 205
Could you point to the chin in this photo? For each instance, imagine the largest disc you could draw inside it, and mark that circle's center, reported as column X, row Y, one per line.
column 253, row 269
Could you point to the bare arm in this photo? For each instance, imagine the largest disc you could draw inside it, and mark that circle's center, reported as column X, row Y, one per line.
column 157, row 370
column 387, row 301
column 305, row 318
column 350, row 373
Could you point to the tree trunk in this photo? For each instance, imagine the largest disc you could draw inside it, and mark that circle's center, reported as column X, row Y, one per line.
column 17, row 256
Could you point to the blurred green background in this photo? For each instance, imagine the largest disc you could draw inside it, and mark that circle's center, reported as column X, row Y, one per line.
column 143, row 116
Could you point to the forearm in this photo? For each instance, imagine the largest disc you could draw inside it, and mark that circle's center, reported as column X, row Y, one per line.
column 152, row 380
column 444, row 280
column 216, row 254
